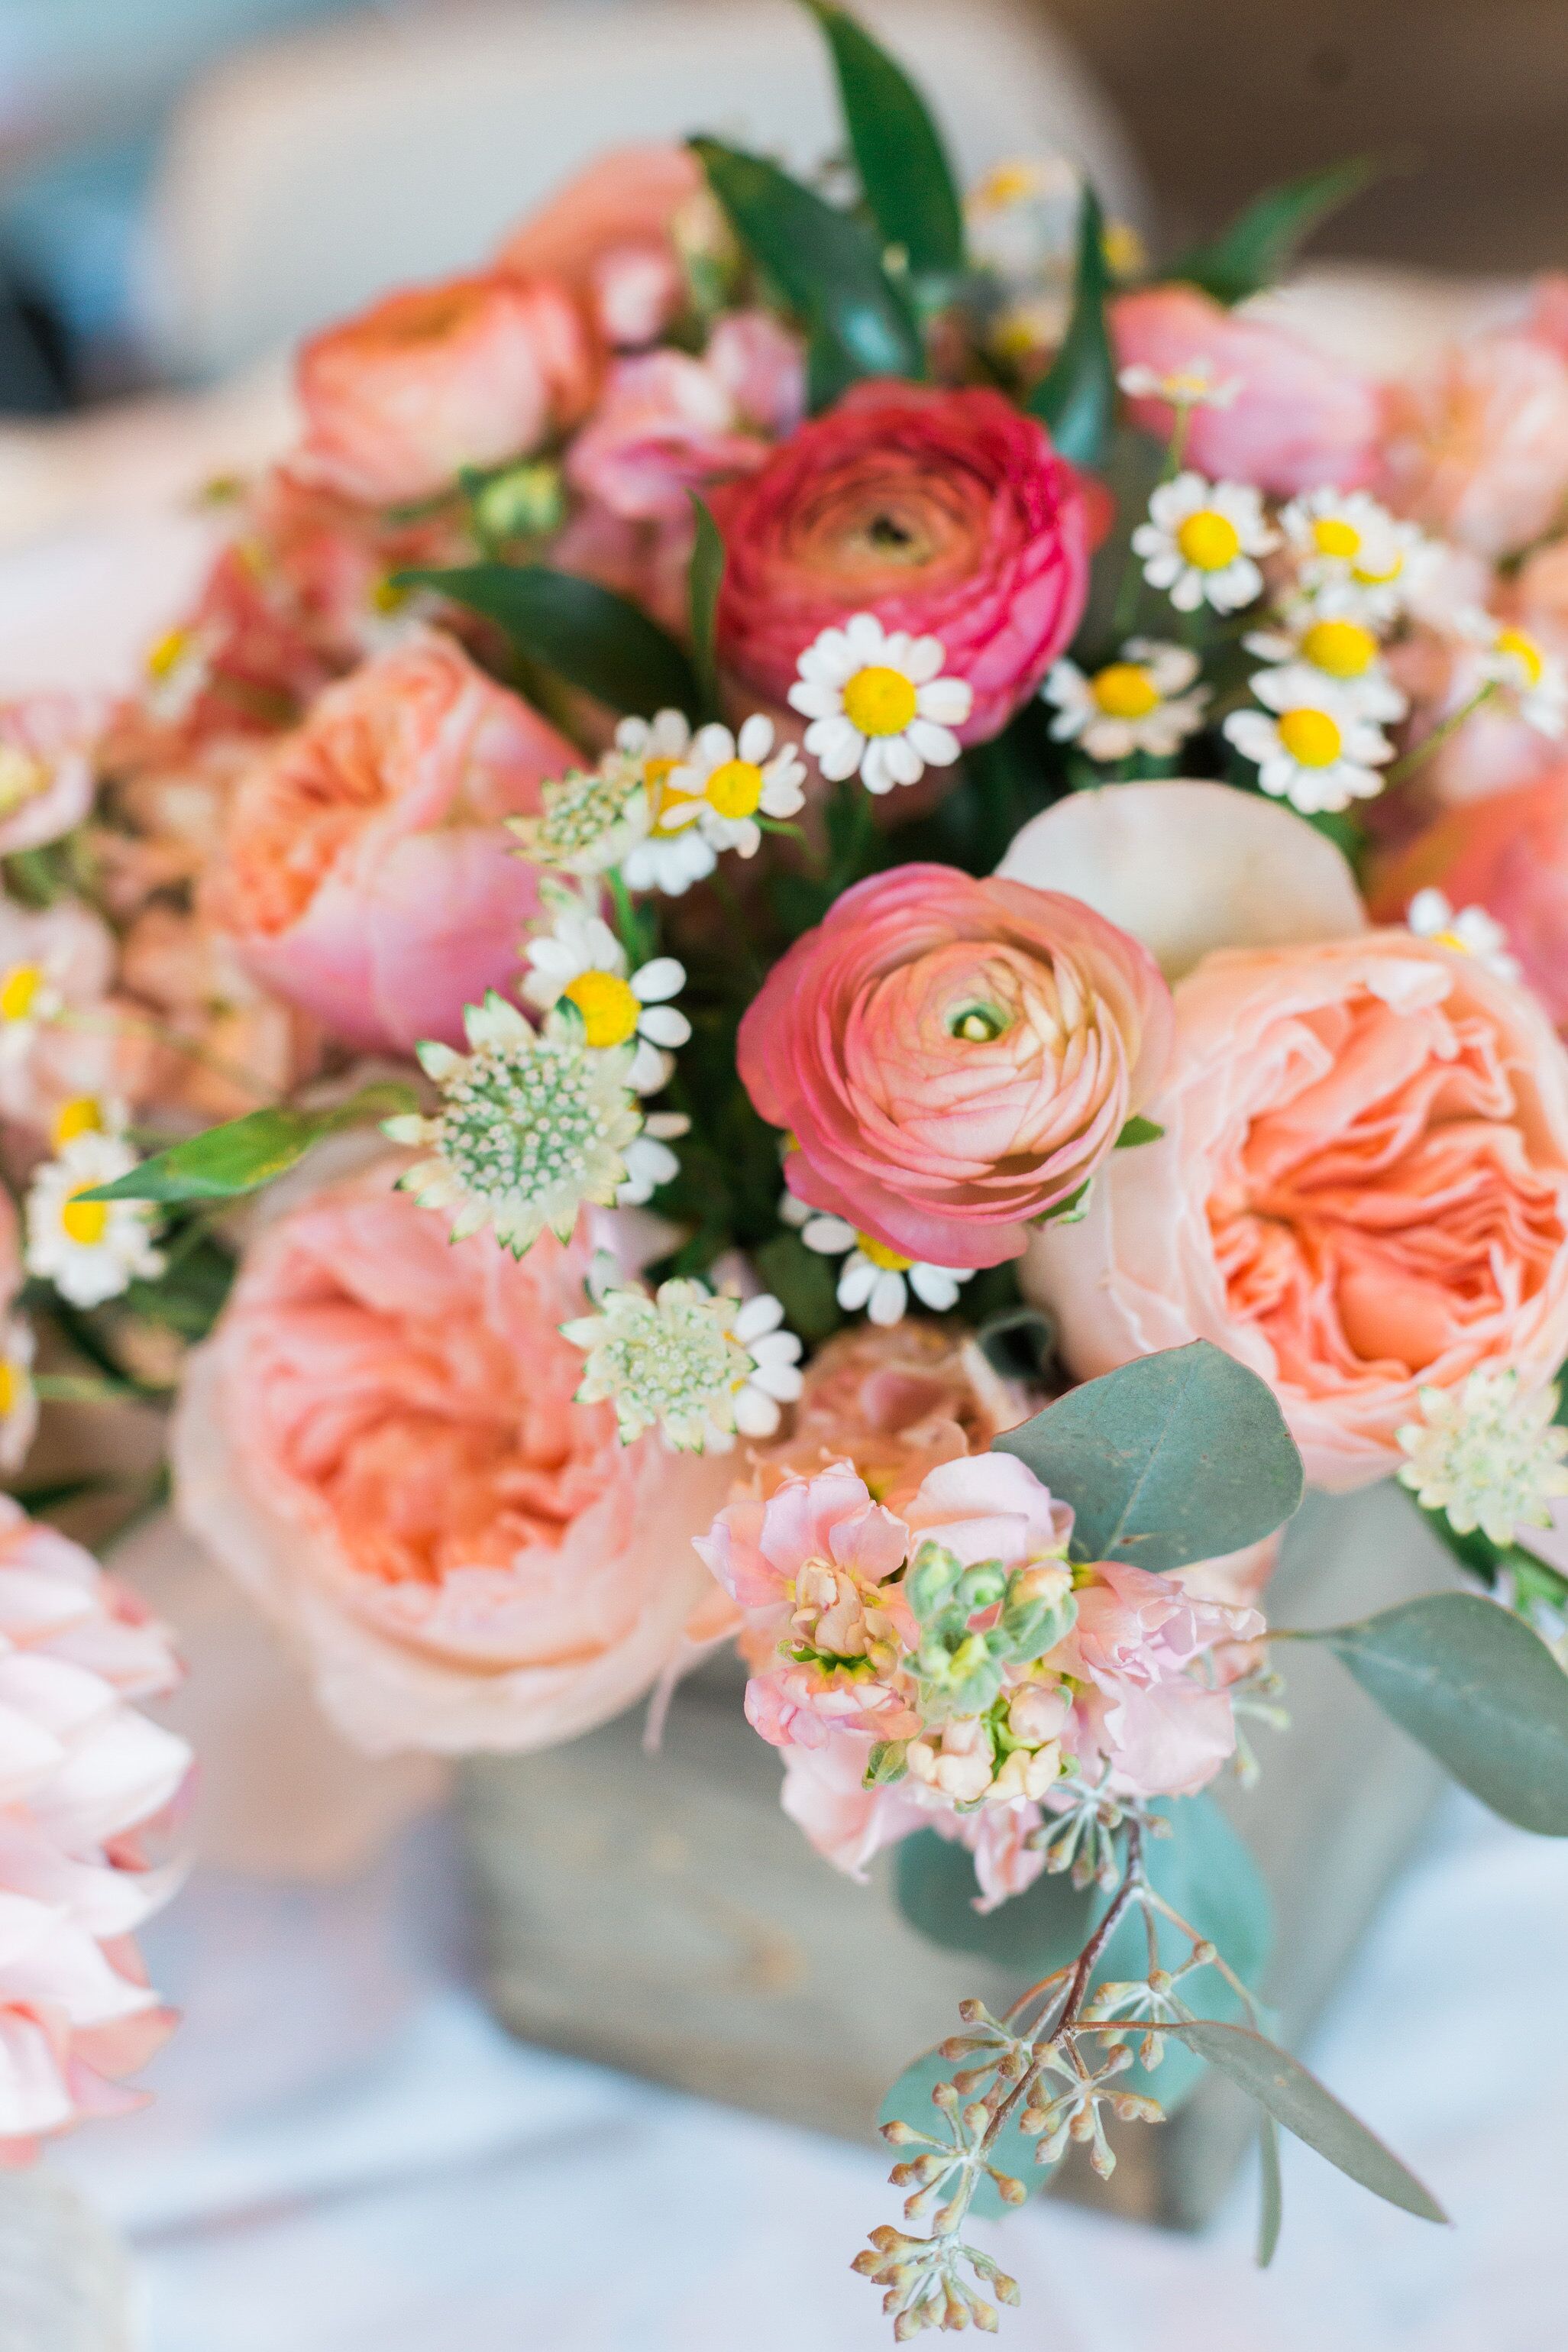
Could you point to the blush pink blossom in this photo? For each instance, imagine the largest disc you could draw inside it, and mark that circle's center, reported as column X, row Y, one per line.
column 1476, row 447
column 626, row 201
column 47, row 746
column 666, row 425
column 1143, row 1713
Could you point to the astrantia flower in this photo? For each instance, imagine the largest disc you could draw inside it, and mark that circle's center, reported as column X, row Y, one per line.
column 696, row 1365
column 725, row 783
column 591, row 819
column 1344, row 541
column 1139, row 702
column 1468, row 930
column 1200, row 541
column 530, row 1127
column 1193, row 386
column 1486, row 1456
column 578, row 962
column 1328, row 636
column 18, row 1398
column 872, row 1275
column 1534, row 681
column 1315, row 749
column 89, row 1250
column 879, row 705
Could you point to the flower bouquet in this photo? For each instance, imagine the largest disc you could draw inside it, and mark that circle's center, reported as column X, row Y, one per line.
column 723, row 993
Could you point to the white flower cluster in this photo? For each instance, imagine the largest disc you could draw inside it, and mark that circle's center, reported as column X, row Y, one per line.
column 1486, row 1456
column 695, row 1364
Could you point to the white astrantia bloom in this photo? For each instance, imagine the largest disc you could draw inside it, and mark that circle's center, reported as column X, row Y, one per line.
column 531, row 1127
column 698, row 1365
column 1468, row 930
column 1201, row 541
column 1328, row 634
column 1311, row 747
column 879, row 705
column 1486, row 1456
column 89, row 1250
column 18, row 1398
column 726, row 782
column 1143, row 702
column 1344, row 541
column 872, row 1275
column 580, row 963
column 1534, row 681
column 590, row 819
column 1193, row 386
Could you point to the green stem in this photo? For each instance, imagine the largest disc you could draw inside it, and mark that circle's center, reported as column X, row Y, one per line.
column 1440, row 735
column 73, row 1388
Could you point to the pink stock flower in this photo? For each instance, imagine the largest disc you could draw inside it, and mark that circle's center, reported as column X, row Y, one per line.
column 666, row 425
column 82, row 1776
column 1143, row 1715
column 953, row 1058
column 365, row 873
column 944, row 513
column 380, row 1442
column 1298, row 419
column 762, row 366
column 1477, row 445
column 46, row 745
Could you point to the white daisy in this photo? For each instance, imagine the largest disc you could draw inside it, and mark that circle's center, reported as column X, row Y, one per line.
column 1139, row 702
column 879, row 706
column 89, row 1250
column 1468, row 930
column 695, row 1365
column 872, row 1275
column 179, row 670
column 1534, row 681
column 1486, row 1456
column 591, row 819
column 531, row 1126
column 18, row 1398
column 1330, row 638
column 669, row 862
column 1344, row 540
column 725, row 783
column 1315, row 749
column 1021, row 220
column 1200, row 542
column 1193, row 386
column 649, row 1162
column 579, row 962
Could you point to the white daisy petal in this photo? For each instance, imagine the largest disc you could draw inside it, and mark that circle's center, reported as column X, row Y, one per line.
column 657, row 981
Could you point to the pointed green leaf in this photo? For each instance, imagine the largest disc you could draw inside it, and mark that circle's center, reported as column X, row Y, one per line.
column 1271, row 2199
column 1075, row 399
column 1139, row 1130
column 594, row 639
column 704, row 581
column 1261, row 240
column 1285, row 2089
column 903, row 165
column 246, row 1153
column 1176, row 1457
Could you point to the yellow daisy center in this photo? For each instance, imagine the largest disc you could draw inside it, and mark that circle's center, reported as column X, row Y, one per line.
column 1449, row 939
column 1342, row 649
column 165, row 654
column 1332, row 535
column 1312, row 738
column 1524, row 651
column 1125, row 690
column 80, row 1116
column 610, row 1010
column 18, row 989
column 21, row 778
column 880, row 702
column 888, row 1260
column 84, row 1222
column 1208, row 541
column 14, row 1386
column 1007, row 183
column 1378, row 575
column 734, row 790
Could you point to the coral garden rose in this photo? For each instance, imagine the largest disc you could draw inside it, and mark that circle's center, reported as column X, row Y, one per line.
column 1298, row 419
column 365, row 873
column 1362, row 1190
column 380, row 1442
column 953, row 1058
column 1477, row 445
column 470, row 372
column 945, row 514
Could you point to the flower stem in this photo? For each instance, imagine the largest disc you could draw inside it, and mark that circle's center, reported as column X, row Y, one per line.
column 1440, row 735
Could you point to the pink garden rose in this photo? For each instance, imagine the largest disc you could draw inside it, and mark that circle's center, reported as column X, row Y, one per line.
column 1298, row 419
column 365, row 873
column 380, row 1442
column 953, row 1058
column 1362, row 1190
column 1476, row 447
column 944, row 513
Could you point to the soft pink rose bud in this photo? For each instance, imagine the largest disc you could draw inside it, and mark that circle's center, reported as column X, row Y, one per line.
column 953, row 1058
column 1476, row 447
column 365, row 874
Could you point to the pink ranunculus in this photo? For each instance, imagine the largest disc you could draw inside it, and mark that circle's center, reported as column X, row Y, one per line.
column 666, row 425
column 380, row 1442
column 953, row 1058
column 472, row 371
column 1141, row 1711
column 365, row 873
column 945, row 513
column 1362, row 1189
column 1298, row 420
column 83, row 1775
column 626, row 201
column 46, row 745
column 1476, row 447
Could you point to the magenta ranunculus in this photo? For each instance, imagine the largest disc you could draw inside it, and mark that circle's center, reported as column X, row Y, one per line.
column 953, row 1058
column 946, row 514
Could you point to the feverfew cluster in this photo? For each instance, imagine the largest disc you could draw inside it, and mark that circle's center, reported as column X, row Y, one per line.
column 698, row 1365
column 1486, row 1456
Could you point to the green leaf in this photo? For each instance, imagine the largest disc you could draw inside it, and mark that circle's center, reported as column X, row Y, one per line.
column 825, row 264
column 1258, row 243
column 1480, row 1692
column 589, row 635
column 1176, row 1457
column 1138, row 1130
column 246, row 1153
column 704, row 581
column 902, row 165
column 1285, row 2089
column 1271, row 2199
column 1075, row 399
column 803, row 1284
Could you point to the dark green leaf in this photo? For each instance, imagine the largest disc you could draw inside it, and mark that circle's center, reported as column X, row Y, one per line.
column 246, row 1153
column 825, row 264
column 586, row 633
column 803, row 1284
column 1479, row 1691
column 1258, row 243
column 1076, row 397
column 1271, row 2194
column 704, row 581
column 1016, row 1341
column 1139, row 1130
column 1282, row 2085
column 1176, row 1457
column 902, row 165
column 53, row 1495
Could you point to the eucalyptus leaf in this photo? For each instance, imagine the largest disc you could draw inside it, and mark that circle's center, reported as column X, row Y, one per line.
column 1272, row 2200
column 594, row 639
column 1284, row 2088
column 1076, row 397
column 903, row 169
column 1260, row 241
column 1178, row 1456
column 246, row 1153
column 704, row 581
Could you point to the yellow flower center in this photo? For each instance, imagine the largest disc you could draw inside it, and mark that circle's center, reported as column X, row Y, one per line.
column 1125, row 690
column 881, row 1256
column 1208, row 541
column 880, row 702
column 21, row 778
column 14, row 1386
column 388, row 596
column 84, row 1222
column 1312, row 738
column 656, row 783
column 610, row 1011
column 19, row 988
column 1332, row 535
column 1449, row 939
column 1007, row 183
column 1342, row 649
column 165, row 654
column 1373, row 575
column 734, row 790
column 1524, row 651
column 80, row 1116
